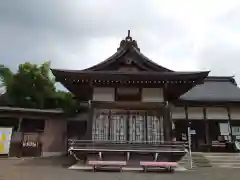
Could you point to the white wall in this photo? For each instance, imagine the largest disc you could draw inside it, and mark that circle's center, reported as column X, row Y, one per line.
column 103, row 94
column 235, row 113
column 178, row 113
column 152, row 95
column 216, row 113
column 195, row 113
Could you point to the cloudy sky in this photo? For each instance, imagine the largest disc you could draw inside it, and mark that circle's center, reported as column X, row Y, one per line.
column 181, row 35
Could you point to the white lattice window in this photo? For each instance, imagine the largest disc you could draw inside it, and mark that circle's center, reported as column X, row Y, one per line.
column 100, row 129
column 136, row 127
column 155, row 132
column 118, row 127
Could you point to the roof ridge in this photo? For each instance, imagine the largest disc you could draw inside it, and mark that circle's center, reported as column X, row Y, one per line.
column 221, row 79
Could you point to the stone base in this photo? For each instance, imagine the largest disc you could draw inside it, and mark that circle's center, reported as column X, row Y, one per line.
column 49, row 154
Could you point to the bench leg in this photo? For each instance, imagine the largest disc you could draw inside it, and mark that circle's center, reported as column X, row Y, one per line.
column 100, row 155
column 156, row 157
column 170, row 169
column 128, row 156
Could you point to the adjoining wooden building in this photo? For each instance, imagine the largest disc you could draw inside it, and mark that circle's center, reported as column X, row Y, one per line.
column 35, row 132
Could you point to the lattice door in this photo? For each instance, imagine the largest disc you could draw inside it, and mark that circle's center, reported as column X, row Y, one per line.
column 155, row 132
column 118, row 127
column 100, row 129
column 136, row 127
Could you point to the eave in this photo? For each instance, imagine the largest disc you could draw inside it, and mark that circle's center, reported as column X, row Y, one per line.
column 176, row 83
column 72, row 75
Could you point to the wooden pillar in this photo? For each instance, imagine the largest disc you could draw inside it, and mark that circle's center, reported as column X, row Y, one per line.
column 207, row 138
column 186, row 114
column 128, row 127
column 230, row 124
column 167, row 124
column 146, row 127
column 109, row 125
column 88, row 135
column 166, row 116
column 19, row 124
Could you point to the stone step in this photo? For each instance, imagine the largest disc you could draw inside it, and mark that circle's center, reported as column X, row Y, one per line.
column 225, row 163
column 80, row 166
column 198, row 161
column 228, row 166
column 222, row 154
column 224, row 160
column 223, row 157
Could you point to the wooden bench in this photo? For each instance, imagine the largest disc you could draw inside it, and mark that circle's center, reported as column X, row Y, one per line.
column 166, row 165
column 99, row 164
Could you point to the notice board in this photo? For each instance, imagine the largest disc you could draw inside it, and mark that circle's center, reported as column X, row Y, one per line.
column 5, row 138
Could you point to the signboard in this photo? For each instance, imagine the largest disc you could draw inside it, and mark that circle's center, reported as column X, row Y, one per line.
column 224, row 129
column 30, row 140
column 128, row 91
column 5, row 138
column 236, row 130
column 192, row 131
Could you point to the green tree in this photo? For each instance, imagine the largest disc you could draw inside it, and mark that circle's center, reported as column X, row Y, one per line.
column 66, row 101
column 6, row 76
column 6, row 79
column 32, row 86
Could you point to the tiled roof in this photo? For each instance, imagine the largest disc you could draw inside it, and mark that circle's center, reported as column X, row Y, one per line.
column 214, row 89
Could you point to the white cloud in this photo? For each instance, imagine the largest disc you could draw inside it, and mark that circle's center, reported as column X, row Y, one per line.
column 181, row 35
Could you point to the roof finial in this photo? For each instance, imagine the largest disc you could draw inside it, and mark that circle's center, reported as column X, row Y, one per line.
column 129, row 33
column 128, row 41
column 128, row 38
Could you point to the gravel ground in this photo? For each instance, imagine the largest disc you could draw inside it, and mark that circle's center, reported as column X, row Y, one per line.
column 51, row 169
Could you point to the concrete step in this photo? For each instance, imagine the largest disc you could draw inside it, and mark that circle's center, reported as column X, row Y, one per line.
column 201, row 161
column 222, row 154
column 223, row 157
column 224, row 160
column 229, row 166
column 226, row 163
column 184, row 162
column 81, row 166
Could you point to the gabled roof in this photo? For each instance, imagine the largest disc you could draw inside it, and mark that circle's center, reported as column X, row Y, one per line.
column 126, row 66
column 128, row 50
column 214, row 89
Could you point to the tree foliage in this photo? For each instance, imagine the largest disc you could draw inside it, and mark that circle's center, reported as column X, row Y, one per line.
column 32, row 86
column 6, row 75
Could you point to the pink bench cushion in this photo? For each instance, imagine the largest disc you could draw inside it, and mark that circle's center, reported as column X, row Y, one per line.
column 158, row 164
column 116, row 163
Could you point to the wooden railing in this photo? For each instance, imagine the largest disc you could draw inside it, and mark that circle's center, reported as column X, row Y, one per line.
column 126, row 145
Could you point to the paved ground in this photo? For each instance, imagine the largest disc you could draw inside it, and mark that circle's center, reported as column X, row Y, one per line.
column 50, row 169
